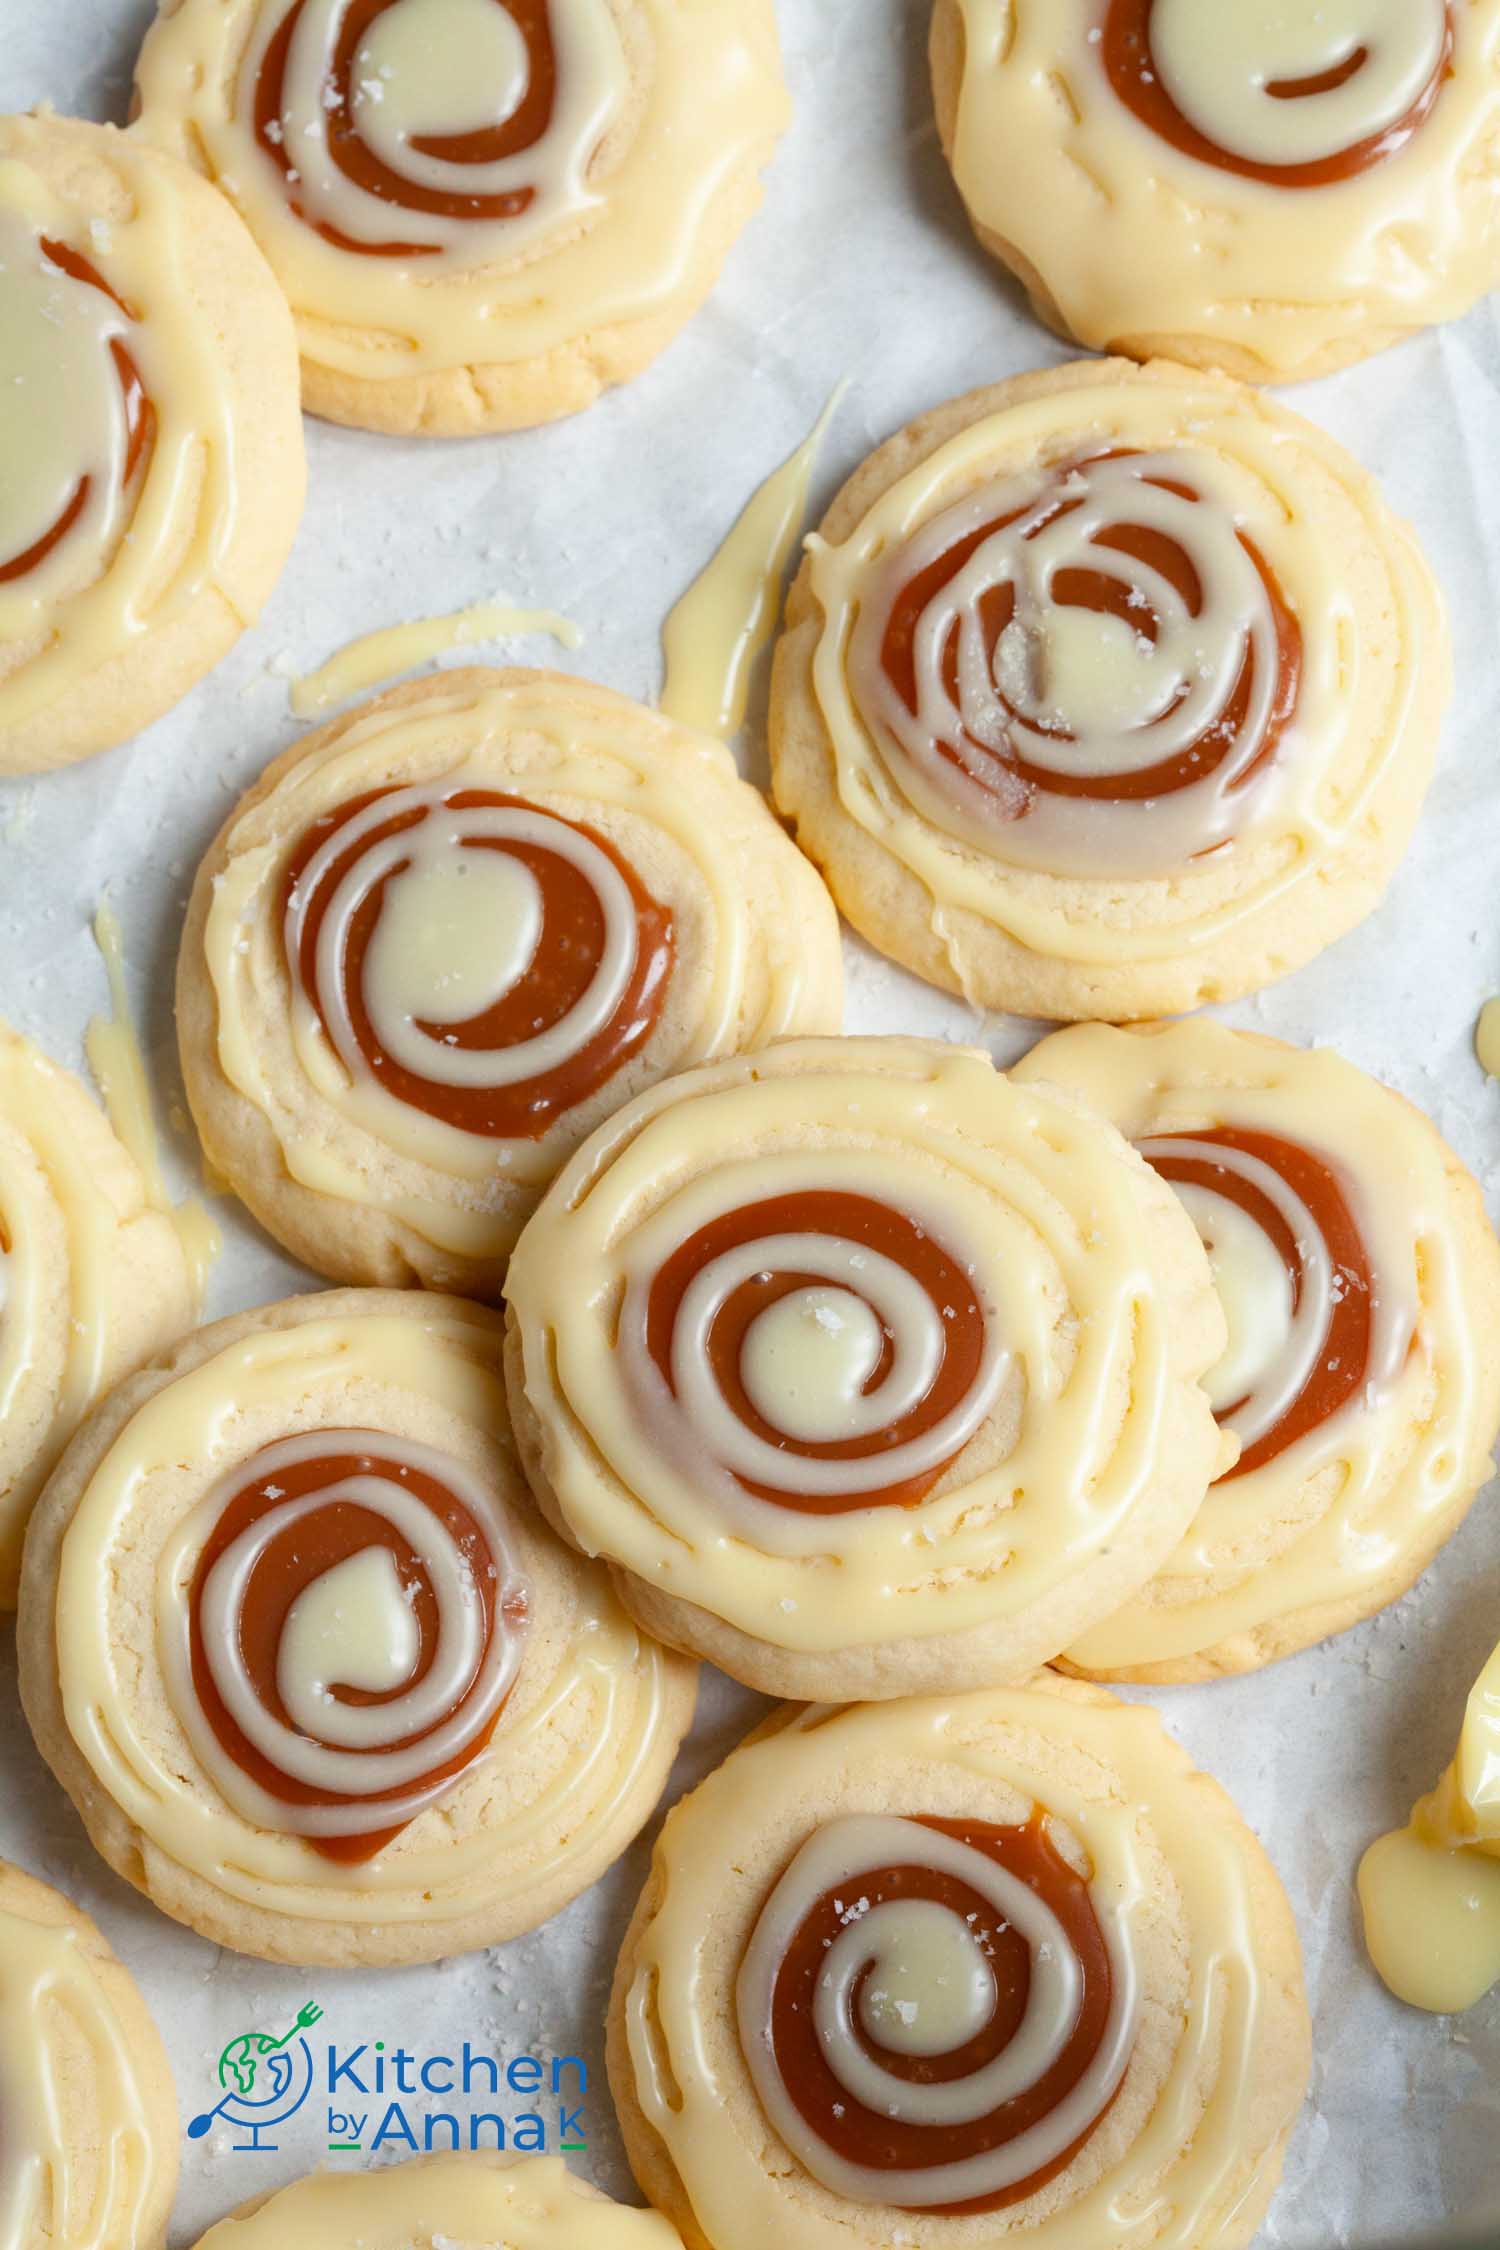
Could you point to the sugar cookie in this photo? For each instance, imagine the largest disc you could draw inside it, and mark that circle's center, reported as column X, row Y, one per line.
column 484, row 212
column 444, row 937
column 296, row 1645
column 1270, row 190
column 485, row 2202
column 92, row 1279
column 867, row 1370
column 1361, row 1282
column 995, row 1968
column 151, row 469
column 89, row 2155
column 1108, row 691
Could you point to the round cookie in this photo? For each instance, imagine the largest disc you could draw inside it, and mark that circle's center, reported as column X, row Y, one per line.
column 92, row 1279
column 485, row 2202
column 484, row 212
column 1003, row 1968
column 318, row 1681
column 1361, row 1281
column 151, row 464
column 1271, row 191
column 89, row 2157
column 1108, row 691
column 867, row 1371
column 445, row 936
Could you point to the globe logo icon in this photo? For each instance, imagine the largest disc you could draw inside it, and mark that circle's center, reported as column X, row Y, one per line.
column 264, row 2080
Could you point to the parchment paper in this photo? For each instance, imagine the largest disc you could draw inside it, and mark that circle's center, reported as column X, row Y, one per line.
column 861, row 265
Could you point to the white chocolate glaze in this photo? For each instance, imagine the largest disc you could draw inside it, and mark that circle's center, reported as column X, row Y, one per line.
column 1061, row 873
column 601, row 1683
column 531, row 2203
column 917, row 1972
column 52, row 1999
column 618, row 189
column 375, row 658
column 98, row 590
column 1324, row 1525
column 1430, row 1892
column 720, row 626
column 1240, row 248
column 576, row 756
column 75, row 1307
column 1198, row 2153
column 1057, row 1371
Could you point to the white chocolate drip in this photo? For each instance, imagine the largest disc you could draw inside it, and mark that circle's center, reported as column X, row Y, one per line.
column 357, row 1751
column 920, row 1964
column 436, row 68
column 45, row 1976
column 63, row 418
column 1221, row 64
column 464, row 925
column 1430, row 1892
column 809, row 1361
column 1071, row 691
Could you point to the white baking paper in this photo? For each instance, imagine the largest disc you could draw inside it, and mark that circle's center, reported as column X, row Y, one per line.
column 859, row 265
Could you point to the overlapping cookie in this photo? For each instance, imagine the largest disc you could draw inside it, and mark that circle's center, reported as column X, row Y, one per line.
column 994, row 1968
column 315, row 1676
column 865, row 1369
column 1270, row 190
column 448, row 934
column 1361, row 1384
column 88, row 2159
column 485, row 2202
column 151, row 467
column 483, row 211
column 92, row 1279
column 1108, row 691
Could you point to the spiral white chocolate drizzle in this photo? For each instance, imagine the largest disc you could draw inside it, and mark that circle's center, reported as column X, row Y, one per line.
column 448, row 131
column 74, row 415
column 341, row 1622
column 820, row 1350
column 46, row 1980
column 1087, row 669
column 1288, row 94
column 484, row 961
column 935, row 2014
column 1313, row 1327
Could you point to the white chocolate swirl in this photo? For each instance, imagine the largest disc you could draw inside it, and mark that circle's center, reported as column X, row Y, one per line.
column 1139, row 660
column 413, row 84
column 835, row 1392
column 459, row 919
column 912, row 1978
column 1284, row 85
column 373, row 1764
